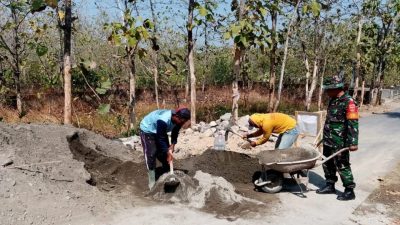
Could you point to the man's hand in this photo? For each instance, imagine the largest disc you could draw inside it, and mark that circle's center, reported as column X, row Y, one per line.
column 244, row 136
column 253, row 144
column 170, row 157
column 353, row 148
column 171, row 148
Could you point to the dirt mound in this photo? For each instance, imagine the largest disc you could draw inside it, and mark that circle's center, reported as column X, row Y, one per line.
column 234, row 167
column 72, row 173
column 108, row 172
column 204, row 191
column 182, row 193
column 42, row 184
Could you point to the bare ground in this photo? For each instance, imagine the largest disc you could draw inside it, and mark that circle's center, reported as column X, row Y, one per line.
column 56, row 174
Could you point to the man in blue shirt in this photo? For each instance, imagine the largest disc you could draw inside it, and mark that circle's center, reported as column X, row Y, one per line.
column 153, row 134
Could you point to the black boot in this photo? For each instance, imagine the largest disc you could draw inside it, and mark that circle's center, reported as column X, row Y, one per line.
column 328, row 189
column 348, row 194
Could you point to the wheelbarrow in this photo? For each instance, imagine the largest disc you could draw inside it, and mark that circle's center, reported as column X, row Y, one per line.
column 292, row 161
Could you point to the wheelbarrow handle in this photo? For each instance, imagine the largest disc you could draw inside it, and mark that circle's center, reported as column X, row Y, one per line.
column 325, row 159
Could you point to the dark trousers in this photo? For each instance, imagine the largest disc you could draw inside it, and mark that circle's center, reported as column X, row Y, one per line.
column 340, row 164
column 152, row 152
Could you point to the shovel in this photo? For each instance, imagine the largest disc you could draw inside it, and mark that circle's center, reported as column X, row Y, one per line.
column 171, row 181
column 229, row 129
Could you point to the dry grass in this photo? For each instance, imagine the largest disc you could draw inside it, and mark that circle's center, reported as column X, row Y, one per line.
column 211, row 105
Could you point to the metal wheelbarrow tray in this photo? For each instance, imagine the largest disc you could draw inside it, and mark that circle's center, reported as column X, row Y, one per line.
column 293, row 161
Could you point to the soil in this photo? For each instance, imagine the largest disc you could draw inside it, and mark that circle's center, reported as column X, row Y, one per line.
column 383, row 204
column 53, row 174
column 109, row 173
column 234, row 167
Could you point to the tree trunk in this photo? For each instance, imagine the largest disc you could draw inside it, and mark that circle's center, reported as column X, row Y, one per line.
column 313, row 85
column 362, row 93
column 358, row 63
column 377, row 83
column 235, row 85
column 187, row 87
column 307, row 65
column 321, row 91
column 206, row 46
column 191, row 63
column 67, row 63
column 132, row 89
column 272, row 62
column 17, row 61
column 285, row 57
column 236, row 70
column 155, row 58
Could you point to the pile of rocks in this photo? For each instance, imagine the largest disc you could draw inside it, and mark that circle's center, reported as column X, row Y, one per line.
column 201, row 129
column 214, row 127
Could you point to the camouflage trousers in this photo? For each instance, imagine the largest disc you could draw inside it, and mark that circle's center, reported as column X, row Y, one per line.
column 340, row 164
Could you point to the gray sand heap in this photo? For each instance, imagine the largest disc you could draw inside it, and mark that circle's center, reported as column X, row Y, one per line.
column 202, row 190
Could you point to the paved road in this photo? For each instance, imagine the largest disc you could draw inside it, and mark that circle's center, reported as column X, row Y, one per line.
column 379, row 153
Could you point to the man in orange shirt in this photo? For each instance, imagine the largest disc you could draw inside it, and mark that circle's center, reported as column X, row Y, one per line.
column 269, row 123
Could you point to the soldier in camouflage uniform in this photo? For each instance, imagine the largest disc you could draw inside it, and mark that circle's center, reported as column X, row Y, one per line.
column 340, row 131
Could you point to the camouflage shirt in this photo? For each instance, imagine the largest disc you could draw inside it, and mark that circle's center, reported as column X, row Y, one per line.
column 341, row 124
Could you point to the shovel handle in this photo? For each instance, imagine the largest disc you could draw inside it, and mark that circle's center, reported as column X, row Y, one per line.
column 171, row 167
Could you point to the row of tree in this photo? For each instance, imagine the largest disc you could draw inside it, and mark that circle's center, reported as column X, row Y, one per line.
column 170, row 44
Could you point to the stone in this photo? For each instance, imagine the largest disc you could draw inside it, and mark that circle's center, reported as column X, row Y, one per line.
column 204, row 128
column 189, row 131
column 213, row 124
column 6, row 162
column 243, row 121
column 226, row 117
column 196, row 127
column 235, row 128
column 208, row 133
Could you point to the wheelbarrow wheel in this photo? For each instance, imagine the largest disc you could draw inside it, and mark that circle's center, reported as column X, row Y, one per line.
column 276, row 181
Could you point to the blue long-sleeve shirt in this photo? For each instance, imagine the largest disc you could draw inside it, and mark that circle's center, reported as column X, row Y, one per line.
column 159, row 123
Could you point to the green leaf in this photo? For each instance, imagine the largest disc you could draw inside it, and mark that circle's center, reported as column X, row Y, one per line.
column 235, row 29
column 198, row 22
column 101, row 91
column 203, row 11
column 116, row 39
column 227, row 35
column 263, row 11
column 104, row 109
column 305, row 9
column 38, row 5
column 52, row 3
column 315, row 8
column 41, row 50
column 148, row 24
column 132, row 41
column 244, row 41
column 106, row 84
column 142, row 53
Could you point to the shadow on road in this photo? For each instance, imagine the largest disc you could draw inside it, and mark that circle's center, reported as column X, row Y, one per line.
column 290, row 185
column 392, row 114
column 316, row 179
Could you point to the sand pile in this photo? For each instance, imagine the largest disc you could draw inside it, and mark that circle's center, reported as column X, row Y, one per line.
column 206, row 192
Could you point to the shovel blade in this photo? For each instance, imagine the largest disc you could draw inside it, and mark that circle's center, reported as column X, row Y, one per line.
column 171, row 184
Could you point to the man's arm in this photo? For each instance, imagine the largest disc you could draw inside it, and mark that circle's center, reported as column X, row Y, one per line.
column 174, row 134
column 352, row 125
column 255, row 134
column 162, row 136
